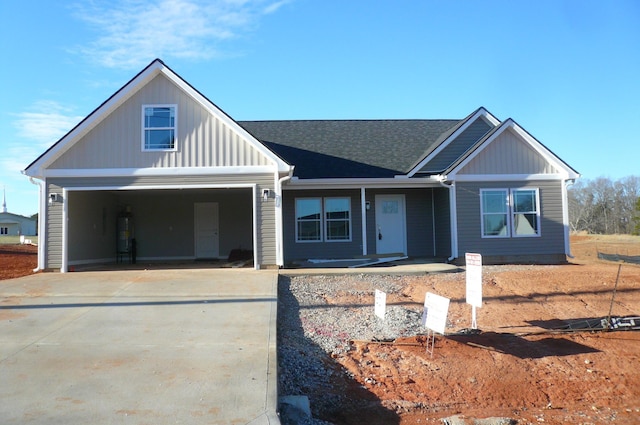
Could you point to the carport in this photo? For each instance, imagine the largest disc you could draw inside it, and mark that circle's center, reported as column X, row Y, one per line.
column 168, row 224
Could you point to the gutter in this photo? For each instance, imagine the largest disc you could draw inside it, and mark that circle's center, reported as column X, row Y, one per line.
column 41, row 221
column 565, row 214
column 279, row 220
column 453, row 215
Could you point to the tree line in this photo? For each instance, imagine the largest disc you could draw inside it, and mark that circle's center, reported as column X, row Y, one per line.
column 603, row 206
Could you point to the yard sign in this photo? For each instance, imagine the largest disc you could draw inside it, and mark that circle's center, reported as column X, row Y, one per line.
column 381, row 303
column 474, row 284
column 435, row 312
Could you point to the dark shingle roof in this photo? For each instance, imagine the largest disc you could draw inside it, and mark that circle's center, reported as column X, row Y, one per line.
column 351, row 148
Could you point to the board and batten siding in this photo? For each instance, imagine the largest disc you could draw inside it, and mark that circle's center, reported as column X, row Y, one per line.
column 458, row 146
column 203, row 139
column 549, row 245
column 509, row 154
column 265, row 210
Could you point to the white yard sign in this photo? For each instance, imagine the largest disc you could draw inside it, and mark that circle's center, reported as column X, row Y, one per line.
column 474, row 284
column 381, row 303
column 435, row 312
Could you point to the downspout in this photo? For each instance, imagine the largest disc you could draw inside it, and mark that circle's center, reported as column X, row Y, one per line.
column 453, row 216
column 565, row 216
column 41, row 224
column 279, row 220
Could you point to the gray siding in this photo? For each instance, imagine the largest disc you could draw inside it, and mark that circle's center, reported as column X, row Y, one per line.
column 165, row 207
column 442, row 223
column 304, row 250
column 509, row 154
column 550, row 243
column 419, row 220
column 458, row 146
column 203, row 140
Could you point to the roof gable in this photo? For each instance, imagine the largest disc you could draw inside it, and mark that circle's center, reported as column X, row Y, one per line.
column 509, row 150
column 110, row 137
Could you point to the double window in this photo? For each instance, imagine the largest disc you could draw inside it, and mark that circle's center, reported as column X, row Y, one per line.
column 159, row 125
column 4, row 230
column 510, row 213
column 323, row 219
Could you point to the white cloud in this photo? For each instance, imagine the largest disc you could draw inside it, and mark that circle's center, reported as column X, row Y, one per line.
column 45, row 122
column 37, row 129
column 134, row 32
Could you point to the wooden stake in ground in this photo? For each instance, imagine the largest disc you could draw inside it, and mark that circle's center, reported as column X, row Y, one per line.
column 613, row 296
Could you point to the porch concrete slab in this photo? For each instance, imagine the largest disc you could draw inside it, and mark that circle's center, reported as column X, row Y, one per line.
column 404, row 267
column 146, row 346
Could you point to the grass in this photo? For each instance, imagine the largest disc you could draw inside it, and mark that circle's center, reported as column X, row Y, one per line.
column 15, row 240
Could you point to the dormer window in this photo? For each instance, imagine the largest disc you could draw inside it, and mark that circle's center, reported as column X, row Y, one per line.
column 159, row 126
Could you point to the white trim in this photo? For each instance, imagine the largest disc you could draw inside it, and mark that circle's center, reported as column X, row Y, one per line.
column 481, row 112
column 254, row 198
column 295, row 217
column 510, row 213
column 363, row 213
column 173, row 171
column 513, row 213
column 383, row 183
column 326, row 220
column 565, row 217
column 567, row 172
column 453, row 216
column 506, row 177
column 507, row 213
column 65, row 228
column 144, row 128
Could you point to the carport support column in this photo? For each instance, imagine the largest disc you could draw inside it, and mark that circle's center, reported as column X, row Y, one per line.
column 363, row 209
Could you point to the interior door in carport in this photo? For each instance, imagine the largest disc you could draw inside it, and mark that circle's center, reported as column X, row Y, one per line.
column 206, row 230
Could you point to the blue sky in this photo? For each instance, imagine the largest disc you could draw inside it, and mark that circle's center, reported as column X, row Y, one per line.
column 567, row 71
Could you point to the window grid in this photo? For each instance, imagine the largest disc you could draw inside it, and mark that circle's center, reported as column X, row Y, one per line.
column 323, row 219
column 159, row 127
column 509, row 213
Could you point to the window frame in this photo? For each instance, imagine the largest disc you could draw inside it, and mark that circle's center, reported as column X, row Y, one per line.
column 174, row 128
column 327, row 220
column 506, row 213
column 536, row 212
column 323, row 236
column 319, row 220
column 511, row 213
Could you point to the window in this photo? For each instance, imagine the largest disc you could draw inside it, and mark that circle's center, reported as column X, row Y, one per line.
column 308, row 220
column 510, row 213
column 337, row 212
column 323, row 219
column 4, row 230
column 159, row 127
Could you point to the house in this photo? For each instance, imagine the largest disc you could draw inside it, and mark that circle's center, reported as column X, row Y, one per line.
column 161, row 167
column 15, row 224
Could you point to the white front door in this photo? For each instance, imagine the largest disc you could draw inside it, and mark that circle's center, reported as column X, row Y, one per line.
column 206, row 230
column 391, row 235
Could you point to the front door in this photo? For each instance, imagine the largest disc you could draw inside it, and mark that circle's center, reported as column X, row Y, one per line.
column 206, row 230
column 390, row 225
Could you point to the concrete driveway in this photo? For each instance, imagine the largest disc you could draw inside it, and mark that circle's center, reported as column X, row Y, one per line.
column 139, row 347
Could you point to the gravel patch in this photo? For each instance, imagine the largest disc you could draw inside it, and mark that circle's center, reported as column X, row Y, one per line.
column 311, row 329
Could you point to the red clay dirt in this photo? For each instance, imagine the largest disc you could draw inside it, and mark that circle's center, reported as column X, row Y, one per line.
column 519, row 366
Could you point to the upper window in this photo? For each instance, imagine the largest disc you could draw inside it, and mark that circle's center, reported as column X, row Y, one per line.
column 318, row 221
column 159, row 127
column 510, row 212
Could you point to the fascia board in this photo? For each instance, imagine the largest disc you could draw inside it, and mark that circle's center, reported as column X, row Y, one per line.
column 306, row 184
column 150, row 172
column 507, row 177
column 225, row 118
column 481, row 112
column 36, row 168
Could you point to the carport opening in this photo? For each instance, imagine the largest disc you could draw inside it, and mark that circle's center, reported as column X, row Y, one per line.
column 199, row 227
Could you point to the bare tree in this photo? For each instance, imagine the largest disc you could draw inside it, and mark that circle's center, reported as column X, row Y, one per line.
column 603, row 206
